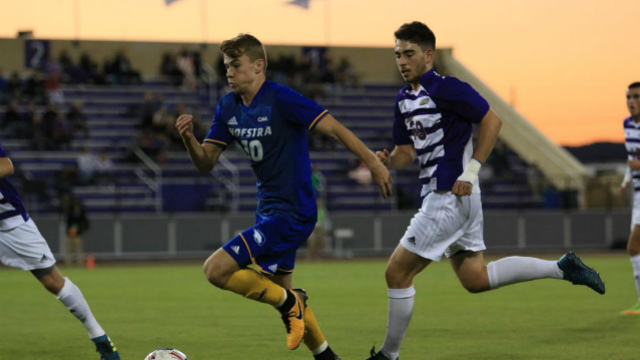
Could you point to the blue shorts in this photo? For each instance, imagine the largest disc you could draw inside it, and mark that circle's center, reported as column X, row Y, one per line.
column 270, row 245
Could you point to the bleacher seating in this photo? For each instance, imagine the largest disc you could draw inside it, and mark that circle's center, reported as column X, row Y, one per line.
column 368, row 112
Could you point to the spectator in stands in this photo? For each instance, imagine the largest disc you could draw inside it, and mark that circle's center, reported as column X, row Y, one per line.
column 34, row 89
column 104, row 169
column 198, row 69
column 184, row 62
column 88, row 71
column 169, row 68
column 35, row 134
column 536, row 180
column 77, row 224
column 78, row 120
column 346, row 74
column 65, row 63
column 14, row 87
column 12, row 121
column 53, row 90
column 87, row 167
column 49, row 118
column 53, row 67
column 499, row 161
column 122, row 70
column 62, row 133
column 151, row 104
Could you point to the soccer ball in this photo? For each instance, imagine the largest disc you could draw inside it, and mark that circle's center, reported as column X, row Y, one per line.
column 166, row 354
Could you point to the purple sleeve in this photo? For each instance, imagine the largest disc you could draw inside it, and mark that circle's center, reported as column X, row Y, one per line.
column 2, row 152
column 401, row 134
column 219, row 132
column 461, row 99
column 298, row 109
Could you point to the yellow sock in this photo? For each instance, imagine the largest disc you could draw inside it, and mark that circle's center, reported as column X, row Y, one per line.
column 255, row 286
column 313, row 337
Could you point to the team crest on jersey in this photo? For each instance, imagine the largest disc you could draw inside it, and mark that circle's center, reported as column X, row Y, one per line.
column 258, row 237
column 424, row 101
column 232, row 121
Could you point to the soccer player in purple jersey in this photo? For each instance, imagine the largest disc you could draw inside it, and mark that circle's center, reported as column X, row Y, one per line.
column 632, row 178
column 271, row 121
column 433, row 122
column 23, row 247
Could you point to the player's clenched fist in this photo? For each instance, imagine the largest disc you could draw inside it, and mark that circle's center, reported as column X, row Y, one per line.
column 383, row 156
column 184, row 124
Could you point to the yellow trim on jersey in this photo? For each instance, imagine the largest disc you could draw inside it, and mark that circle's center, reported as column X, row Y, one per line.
column 322, row 114
column 287, row 271
column 215, row 142
column 251, row 256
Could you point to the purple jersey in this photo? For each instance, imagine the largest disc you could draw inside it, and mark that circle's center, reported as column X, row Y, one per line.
column 632, row 143
column 437, row 119
column 12, row 210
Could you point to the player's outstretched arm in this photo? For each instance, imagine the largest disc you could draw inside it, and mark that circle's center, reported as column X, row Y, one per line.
column 205, row 156
column 329, row 126
column 401, row 156
column 487, row 137
column 6, row 167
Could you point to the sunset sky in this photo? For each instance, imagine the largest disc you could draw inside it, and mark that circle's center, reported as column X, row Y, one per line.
column 567, row 62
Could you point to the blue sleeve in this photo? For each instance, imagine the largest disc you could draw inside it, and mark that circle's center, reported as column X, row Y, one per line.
column 298, row 109
column 3, row 154
column 401, row 135
column 461, row 99
column 219, row 133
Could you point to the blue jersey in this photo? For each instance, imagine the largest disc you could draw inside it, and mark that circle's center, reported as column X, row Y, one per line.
column 632, row 144
column 273, row 133
column 12, row 210
column 437, row 119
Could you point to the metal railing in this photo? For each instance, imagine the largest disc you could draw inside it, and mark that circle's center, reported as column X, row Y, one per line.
column 155, row 183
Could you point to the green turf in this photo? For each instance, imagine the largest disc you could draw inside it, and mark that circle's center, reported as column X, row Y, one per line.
column 147, row 307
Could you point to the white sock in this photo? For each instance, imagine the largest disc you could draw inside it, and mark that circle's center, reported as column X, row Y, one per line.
column 635, row 261
column 72, row 298
column 516, row 269
column 400, row 312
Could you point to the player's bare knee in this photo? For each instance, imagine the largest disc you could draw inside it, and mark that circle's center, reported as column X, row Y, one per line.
column 397, row 279
column 216, row 275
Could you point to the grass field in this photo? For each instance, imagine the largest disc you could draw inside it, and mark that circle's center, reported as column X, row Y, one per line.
column 144, row 307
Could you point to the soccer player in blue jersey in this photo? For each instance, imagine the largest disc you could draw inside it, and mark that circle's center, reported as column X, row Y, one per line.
column 270, row 122
column 433, row 122
column 632, row 177
column 22, row 247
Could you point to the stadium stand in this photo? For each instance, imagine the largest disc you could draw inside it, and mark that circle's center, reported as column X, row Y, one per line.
column 166, row 181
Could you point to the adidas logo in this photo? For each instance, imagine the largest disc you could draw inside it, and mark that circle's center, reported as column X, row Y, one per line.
column 236, row 249
column 232, row 121
column 44, row 258
column 412, row 240
column 273, row 267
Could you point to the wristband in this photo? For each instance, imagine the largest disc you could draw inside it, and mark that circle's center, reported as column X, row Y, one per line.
column 470, row 174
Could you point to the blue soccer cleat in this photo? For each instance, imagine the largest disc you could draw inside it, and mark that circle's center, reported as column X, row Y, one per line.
column 580, row 274
column 105, row 347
